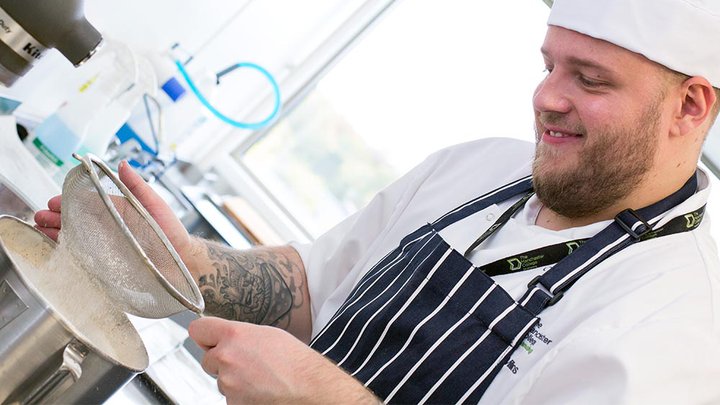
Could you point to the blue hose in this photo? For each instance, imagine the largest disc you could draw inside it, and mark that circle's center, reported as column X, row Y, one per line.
column 225, row 118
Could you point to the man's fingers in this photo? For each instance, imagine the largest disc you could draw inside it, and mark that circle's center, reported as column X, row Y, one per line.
column 209, row 363
column 47, row 219
column 137, row 186
column 55, row 203
column 48, row 222
column 155, row 205
column 132, row 180
column 51, row 233
column 207, row 331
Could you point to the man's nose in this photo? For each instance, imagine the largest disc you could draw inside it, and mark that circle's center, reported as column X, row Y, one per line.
column 551, row 95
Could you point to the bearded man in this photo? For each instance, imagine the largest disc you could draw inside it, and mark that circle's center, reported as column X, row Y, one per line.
column 577, row 270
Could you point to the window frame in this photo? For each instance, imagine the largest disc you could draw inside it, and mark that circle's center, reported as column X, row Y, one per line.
column 295, row 86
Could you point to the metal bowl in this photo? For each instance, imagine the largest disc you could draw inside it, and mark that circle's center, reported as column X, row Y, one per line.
column 61, row 339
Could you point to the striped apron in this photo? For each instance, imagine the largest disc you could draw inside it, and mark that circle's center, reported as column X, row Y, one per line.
column 425, row 325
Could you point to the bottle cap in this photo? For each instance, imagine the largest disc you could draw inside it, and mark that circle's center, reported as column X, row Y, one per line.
column 173, row 89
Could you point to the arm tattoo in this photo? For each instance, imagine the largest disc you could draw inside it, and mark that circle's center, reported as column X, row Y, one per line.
column 256, row 286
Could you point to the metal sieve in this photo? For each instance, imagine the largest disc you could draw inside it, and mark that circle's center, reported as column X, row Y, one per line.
column 113, row 238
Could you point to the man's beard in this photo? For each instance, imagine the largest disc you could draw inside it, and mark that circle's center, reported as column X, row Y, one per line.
column 608, row 168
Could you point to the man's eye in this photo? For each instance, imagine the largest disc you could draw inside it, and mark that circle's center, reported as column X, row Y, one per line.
column 589, row 82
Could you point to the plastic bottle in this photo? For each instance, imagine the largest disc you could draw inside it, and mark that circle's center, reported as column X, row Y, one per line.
column 91, row 117
column 62, row 133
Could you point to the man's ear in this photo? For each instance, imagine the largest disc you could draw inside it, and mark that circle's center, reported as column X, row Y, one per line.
column 697, row 100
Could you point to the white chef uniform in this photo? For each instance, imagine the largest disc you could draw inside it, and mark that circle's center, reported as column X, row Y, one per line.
column 643, row 326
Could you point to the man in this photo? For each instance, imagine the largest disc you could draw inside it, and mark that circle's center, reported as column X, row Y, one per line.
column 604, row 282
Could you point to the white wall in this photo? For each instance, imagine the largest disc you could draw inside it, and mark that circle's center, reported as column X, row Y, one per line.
column 273, row 33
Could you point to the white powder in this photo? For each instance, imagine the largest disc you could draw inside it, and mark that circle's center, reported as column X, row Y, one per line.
column 73, row 295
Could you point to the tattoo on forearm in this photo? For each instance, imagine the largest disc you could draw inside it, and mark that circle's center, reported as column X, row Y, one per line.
column 255, row 286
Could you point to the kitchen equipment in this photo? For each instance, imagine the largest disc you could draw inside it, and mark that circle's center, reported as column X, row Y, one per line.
column 61, row 339
column 64, row 335
column 111, row 235
column 29, row 28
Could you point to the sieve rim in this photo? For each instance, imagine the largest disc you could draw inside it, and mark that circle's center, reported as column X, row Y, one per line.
column 87, row 161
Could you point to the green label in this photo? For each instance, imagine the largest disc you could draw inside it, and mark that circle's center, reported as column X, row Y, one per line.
column 524, row 262
column 47, row 152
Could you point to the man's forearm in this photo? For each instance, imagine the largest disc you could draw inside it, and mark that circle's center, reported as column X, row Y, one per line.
column 264, row 286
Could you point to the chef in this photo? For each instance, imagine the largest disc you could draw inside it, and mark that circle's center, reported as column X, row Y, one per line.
column 579, row 269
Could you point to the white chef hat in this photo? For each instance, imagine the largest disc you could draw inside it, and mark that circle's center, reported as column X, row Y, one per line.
column 679, row 34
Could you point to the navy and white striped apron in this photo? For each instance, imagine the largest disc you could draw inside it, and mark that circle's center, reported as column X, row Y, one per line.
column 425, row 325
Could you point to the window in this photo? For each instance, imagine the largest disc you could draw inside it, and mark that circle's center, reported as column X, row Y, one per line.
column 427, row 75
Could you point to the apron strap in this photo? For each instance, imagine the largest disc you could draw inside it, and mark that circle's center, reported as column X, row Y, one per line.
column 629, row 227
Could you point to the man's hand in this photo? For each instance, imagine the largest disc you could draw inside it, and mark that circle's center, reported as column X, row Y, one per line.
column 49, row 222
column 261, row 285
column 160, row 211
column 263, row 364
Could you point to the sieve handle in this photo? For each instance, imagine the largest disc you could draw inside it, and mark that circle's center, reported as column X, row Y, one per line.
column 69, row 371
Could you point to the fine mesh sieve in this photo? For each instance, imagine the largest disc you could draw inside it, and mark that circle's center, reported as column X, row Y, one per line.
column 113, row 237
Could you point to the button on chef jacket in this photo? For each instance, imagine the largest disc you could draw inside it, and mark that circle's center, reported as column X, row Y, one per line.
column 641, row 327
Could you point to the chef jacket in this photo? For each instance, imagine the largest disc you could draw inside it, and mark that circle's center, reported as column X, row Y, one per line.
column 641, row 327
